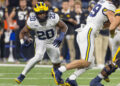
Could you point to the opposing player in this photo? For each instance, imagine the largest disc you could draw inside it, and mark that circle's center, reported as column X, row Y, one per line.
column 111, row 68
column 44, row 24
column 102, row 12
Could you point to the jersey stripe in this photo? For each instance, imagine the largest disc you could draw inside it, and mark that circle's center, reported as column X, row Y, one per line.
column 89, row 44
column 117, row 11
column 116, row 54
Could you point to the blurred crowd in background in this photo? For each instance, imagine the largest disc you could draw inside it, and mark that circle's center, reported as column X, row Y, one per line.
column 13, row 15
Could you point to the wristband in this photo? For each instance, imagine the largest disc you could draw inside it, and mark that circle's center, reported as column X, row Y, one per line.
column 21, row 41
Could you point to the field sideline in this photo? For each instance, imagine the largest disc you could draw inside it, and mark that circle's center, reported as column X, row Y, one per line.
column 41, row 76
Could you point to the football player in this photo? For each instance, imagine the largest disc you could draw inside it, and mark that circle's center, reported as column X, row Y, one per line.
column 20, row 14
column 102, row 12
column 44, row 24
column 111, row 68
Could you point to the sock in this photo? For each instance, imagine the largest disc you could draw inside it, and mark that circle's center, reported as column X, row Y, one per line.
column 62, row 69
column 100, row 76
column 72, row 77
column 21, row 76
column 77, row 73
column 97, row 78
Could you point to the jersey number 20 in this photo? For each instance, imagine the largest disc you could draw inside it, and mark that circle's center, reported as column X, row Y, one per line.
column 95, row 10
column 45, row 35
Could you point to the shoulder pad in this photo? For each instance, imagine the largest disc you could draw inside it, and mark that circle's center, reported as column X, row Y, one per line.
column 32, row 17
column 51, row 14
column 110, row 7
column 32, row 14
column 54, row 17
column 30, row 22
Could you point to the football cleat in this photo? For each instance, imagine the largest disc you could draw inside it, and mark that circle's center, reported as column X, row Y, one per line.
column 56, row 74
column 107, row 79
column 96, row 82
column 69, row 82
column 20, row 79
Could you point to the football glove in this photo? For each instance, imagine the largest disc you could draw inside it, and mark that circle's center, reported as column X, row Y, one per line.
column 58, row 40
column 26, row 43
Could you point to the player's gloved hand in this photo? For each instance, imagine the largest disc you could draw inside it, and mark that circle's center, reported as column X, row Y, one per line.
column 26, row 43
column 58, row 40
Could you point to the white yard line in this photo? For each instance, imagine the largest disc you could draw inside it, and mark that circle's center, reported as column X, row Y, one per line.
column 23, row 65
column 118, row 84
column 46, row 73
column 52, row 78
column 1, row 74
column 30, row 73
column 20, row 85
column 41, row 85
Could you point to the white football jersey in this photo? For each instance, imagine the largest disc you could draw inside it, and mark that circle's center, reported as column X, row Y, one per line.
column 97, row 16
column 45, row 32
